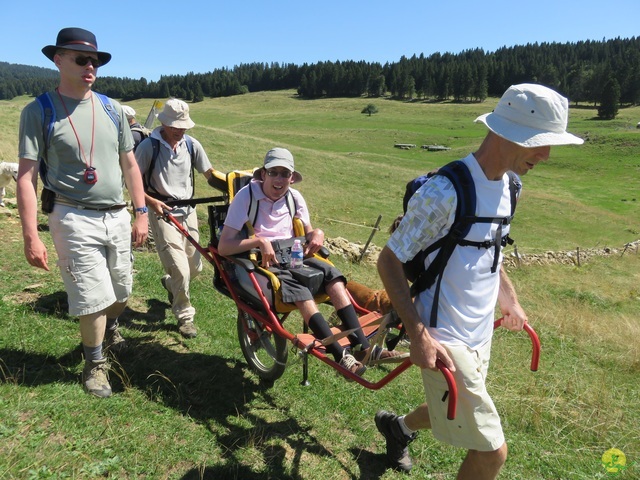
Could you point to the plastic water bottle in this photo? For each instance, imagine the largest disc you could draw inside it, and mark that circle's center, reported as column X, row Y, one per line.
column 297, row 254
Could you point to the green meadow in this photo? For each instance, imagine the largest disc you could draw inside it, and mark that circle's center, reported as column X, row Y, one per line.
column 192, row 410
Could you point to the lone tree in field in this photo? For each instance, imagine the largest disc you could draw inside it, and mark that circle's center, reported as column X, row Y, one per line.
column 370, row 109
column 610, row 100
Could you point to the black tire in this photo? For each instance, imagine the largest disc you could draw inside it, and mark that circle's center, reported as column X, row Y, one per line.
column 265, row 352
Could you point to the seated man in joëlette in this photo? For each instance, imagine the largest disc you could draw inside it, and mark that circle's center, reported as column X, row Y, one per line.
column 271, row 185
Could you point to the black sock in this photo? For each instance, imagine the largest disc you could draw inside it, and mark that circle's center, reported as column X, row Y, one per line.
column 321, row 329
column 350, row 320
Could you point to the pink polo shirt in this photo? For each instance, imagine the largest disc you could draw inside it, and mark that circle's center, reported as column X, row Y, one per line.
column 274, row 220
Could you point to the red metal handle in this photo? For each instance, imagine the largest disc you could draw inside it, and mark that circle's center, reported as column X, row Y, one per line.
column 535, row 341
column 453, row 389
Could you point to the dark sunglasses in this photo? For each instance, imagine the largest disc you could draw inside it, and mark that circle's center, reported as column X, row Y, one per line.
column 82, row 61
column 282, row 174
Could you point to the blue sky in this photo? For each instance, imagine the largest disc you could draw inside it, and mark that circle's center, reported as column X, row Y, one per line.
column 154, row 38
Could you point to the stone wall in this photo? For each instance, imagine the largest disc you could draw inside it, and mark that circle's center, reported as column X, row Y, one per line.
column 352, row 251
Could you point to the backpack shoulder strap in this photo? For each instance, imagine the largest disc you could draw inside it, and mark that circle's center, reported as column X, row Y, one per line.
column 109, row 108
column 189, row 142
column 291, row 204
column 48, row 115
column 515, row 185
column 460, row 177
column 252, row 212
column 155, row 150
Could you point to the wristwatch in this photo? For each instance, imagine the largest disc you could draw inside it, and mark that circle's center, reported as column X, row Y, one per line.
column 142, row 210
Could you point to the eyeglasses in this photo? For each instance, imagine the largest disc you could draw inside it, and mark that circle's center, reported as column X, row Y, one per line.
column 82, row 61
column 282, row 174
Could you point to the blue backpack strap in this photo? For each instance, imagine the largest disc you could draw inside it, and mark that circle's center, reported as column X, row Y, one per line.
column 109, row 108
column 48, row 116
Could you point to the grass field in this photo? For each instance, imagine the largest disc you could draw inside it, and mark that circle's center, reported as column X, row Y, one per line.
column 191, row 409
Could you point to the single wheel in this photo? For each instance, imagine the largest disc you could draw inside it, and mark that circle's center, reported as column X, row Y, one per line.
column 265, row 352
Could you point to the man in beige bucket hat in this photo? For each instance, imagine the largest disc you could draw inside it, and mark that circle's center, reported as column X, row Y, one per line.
column 167, row 161
column 527, row 121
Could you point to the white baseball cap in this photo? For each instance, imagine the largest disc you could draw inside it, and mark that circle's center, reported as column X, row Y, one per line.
column 279, row 157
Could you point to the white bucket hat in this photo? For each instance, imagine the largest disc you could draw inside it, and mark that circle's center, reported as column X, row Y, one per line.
column 176, row 114
column 278, row 157
column 531, row 116
column 128, row 111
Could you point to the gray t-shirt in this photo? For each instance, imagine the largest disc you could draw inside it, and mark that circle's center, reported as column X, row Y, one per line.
column 171, row 175
column 72, row 141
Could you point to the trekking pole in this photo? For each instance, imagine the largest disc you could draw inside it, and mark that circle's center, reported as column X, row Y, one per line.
column 373, row 232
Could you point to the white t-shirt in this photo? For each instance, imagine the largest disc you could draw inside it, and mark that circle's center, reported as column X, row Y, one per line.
column 469, row 290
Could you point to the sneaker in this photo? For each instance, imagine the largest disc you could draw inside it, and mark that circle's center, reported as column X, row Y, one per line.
column 113, row 341
column 187, row 329
column 380, row 355
column 397, row 451
column 164, row 280
column 95, row 377
column 350, row 363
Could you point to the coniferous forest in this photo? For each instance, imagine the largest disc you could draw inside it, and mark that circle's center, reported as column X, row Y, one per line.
column 587, row 72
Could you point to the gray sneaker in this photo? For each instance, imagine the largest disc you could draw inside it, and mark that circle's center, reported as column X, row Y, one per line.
column 95, row 377
column 164, row 280
column 187, row 329
column 113, row 341
column 397, row 451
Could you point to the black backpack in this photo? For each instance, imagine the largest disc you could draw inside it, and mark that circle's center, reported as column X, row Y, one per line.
column 459, row 175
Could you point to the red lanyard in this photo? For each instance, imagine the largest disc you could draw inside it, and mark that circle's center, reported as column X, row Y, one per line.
column 93, row 130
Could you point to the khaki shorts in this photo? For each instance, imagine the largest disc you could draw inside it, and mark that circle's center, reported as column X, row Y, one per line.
column 477, row 423
column 94, row 256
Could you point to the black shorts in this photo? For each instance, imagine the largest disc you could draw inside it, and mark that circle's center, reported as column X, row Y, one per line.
column 292, row 291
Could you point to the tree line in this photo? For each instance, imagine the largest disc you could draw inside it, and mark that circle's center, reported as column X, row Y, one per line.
column 585, row 71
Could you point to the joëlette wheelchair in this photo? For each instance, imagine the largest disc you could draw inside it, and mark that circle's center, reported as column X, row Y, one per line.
column 262, row 314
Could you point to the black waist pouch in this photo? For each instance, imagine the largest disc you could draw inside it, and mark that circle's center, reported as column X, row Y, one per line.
column 47, row 199
column 311, row 278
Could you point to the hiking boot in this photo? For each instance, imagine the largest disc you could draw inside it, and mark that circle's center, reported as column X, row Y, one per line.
column 397, row 451
column 95, row 377
column 113, row 341
column 187, row 329
column 350, row 363
column 164, row 280
column 380, row 355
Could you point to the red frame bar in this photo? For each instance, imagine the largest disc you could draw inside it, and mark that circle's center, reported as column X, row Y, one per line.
column 535, row 342
column 273, row 323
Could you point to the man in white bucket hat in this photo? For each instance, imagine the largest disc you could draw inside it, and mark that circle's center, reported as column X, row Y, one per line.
column 527, row 121
column 168, row 159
